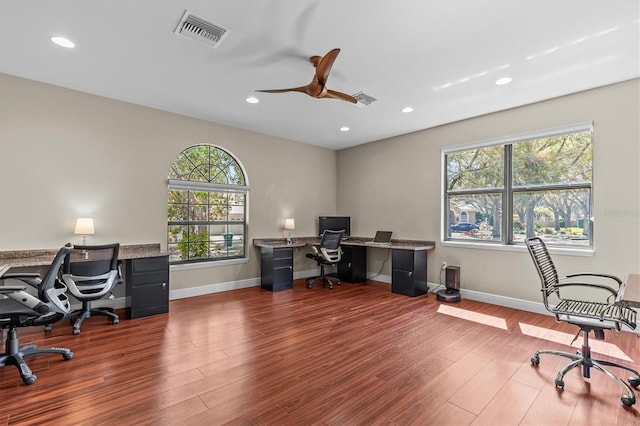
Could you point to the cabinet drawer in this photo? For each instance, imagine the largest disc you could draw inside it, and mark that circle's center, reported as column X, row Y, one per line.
column 402, row 259
column 283, row 253
column 150, row 264
column 282, row 263
column 149, row 278
column 149, row 300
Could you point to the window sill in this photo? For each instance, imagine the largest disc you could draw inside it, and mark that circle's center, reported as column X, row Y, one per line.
column 211, row 264
column 568, row 251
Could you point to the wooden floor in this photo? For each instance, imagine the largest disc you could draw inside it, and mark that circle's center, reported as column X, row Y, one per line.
column 354, row 355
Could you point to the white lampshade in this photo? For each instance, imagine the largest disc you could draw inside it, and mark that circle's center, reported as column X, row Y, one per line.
column 289, row 224
column 84, row 226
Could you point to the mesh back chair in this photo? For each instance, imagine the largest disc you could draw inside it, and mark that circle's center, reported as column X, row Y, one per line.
column 588, row 316
column 22, row 309
column 91, row 273
column 328, row 253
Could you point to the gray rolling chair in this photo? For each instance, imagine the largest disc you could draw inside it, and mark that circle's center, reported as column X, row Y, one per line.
column 91, row 273
column 20, row 308
column 327, row 253
column 588, row 316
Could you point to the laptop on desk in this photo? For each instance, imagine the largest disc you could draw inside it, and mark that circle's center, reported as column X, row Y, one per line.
column 382, row 238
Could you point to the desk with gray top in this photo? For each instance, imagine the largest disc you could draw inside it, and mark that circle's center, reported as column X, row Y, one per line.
column 629, row 293
column 408, row 262
column 146, row 274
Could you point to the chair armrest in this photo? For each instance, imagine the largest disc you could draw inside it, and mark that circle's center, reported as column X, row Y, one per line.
column 613, row 292
column 19, row 294
column 595, row 274
column 31, row 278
column 6, row 289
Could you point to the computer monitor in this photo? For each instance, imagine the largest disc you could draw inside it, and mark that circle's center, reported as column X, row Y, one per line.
column 335, row 223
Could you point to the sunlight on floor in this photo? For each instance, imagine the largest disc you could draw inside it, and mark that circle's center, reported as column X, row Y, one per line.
column 598, row 346
column 489, row 320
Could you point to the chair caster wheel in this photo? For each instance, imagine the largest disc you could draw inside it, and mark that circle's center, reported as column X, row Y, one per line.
column 29, row 380
column 115, row 321
column 76, row 331
column 634, row 381
column 535, row 360
column 309, row 285
column 628, row 401
column 68, row 356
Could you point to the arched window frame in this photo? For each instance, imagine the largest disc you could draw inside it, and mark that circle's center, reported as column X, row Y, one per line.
column 207, row 208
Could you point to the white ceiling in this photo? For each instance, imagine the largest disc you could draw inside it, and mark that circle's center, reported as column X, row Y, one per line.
column 440, row 57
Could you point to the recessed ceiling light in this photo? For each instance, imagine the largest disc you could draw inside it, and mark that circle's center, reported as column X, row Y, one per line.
column 344, row 129
column 253, row 100
column 62, row 41
column 407, row 109
column 504, row 80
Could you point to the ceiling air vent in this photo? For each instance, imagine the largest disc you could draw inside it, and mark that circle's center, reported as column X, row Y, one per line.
column 364, row 99
column 198, row 29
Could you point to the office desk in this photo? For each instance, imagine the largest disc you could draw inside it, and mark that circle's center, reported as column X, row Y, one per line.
column 629, row 293
column 408, row 262
column 146, row 274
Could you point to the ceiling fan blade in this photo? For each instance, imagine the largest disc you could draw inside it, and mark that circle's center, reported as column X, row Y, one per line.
column 339, row 95
column 302, row 89
column 324, row 66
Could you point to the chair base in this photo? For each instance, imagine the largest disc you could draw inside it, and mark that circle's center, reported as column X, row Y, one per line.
column 583, row 359
column 81, row 314
column 325, row 280
column 15, row 355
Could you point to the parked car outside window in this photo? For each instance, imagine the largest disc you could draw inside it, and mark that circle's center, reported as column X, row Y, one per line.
column 464, row 227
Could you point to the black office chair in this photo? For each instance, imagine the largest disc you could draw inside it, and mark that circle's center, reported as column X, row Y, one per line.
column 22, row 309
column 327, row 253
column 589, row 316
column 91, row 273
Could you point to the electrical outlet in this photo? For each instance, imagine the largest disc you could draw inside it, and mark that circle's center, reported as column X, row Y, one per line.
column 444, row 265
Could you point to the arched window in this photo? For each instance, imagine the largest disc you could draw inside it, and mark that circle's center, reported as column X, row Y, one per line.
column 207, row 206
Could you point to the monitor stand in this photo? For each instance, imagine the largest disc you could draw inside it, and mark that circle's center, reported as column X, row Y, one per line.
column 448, row 295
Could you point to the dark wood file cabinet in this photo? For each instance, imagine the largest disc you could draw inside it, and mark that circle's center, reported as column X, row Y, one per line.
column 147, row 281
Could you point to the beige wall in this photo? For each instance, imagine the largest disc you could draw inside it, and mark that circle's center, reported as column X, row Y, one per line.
column 395, row 184
column 65, row 154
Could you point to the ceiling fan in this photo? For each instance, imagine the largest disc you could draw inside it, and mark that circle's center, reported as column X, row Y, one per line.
column 318, row 86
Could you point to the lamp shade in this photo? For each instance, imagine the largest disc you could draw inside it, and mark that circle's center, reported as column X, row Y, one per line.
column 289, row 224
column 84, row 226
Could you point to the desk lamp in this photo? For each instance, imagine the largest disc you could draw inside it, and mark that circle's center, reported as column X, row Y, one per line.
column 289, row 225
column 84, row 227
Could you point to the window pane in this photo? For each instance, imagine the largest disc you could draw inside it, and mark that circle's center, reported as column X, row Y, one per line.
column 198, row 212
column 558, row 216
column 562, row 159
column 477, row 217
column 476, row 168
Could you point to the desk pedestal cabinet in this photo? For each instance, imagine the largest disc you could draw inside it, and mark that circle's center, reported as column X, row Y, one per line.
column 276, row 268
column 147, row 286
column 352, row 267
column 409, row 272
